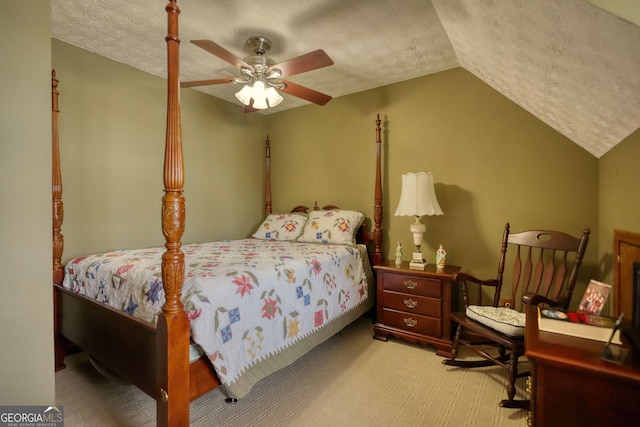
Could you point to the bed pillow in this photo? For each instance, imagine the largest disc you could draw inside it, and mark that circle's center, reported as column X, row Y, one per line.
column 283, row 227
column 334, row 226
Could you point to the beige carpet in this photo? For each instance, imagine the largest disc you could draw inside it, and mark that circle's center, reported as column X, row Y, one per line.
column 350, row 380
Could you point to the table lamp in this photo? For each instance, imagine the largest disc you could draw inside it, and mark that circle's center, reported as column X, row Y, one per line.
column 418, row 198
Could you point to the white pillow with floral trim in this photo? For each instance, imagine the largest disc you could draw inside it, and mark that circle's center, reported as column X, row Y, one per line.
column 334, row 226
column 283, row 227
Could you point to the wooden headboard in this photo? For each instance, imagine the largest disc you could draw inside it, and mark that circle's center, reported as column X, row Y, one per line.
column 626, row 251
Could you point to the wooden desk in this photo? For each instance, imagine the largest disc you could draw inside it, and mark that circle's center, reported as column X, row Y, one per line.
column 572, row 386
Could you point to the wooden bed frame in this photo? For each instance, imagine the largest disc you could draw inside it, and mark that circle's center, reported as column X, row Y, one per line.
column 156, row 359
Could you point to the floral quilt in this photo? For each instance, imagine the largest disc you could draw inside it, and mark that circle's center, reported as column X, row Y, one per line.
column 246, row 300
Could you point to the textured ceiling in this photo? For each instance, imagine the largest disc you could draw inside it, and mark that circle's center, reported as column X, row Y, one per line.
column 569, row 63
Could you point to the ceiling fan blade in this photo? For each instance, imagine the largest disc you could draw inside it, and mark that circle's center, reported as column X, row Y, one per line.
column 207, row 82
column 305, row 93
column 303, row 63
column 221, row 53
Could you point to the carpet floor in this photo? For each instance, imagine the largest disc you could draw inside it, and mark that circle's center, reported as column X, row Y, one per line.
column 349, row 380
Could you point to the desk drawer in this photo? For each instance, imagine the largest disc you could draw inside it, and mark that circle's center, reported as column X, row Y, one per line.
column 413, row 322
column 413, row 303
column 415, row 285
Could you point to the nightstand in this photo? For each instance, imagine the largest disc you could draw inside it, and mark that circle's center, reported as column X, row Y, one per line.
column 415, row 304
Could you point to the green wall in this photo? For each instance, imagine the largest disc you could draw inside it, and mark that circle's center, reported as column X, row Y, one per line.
column 619, row 206
column 26, row 304
column 112, row 135
column 492, row 161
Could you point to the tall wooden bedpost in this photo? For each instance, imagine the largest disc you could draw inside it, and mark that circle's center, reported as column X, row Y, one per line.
column 57, row 217
column 56, row 185
column 173, row 325
column 377, row 208
column 267, row 187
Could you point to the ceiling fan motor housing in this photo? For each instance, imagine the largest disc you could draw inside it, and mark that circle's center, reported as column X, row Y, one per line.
column 259, row 45
column 259, row 61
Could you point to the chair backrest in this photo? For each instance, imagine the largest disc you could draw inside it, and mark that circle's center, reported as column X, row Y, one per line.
column 545, row 262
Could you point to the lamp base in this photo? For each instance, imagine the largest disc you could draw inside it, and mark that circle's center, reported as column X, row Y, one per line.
column 418, row 263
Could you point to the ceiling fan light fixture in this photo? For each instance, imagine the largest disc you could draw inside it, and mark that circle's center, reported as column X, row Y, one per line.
column 263, row 97
column 244, row 95
column 259, row 95
column 262, row 77
column 273, row 97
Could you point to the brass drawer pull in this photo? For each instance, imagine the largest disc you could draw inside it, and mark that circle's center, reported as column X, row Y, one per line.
column 410, row 322
column 410, row 284
column 410, row 303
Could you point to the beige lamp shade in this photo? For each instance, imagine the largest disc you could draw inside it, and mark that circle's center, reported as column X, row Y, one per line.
column 418, row 196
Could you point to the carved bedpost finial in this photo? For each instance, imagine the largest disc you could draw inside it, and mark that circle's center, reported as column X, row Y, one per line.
column 267, row 188
column 377, row 208
column 56, row 186
column 173, row 205
column 173, row 325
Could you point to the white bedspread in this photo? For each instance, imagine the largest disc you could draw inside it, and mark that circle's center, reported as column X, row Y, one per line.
column 246, row 299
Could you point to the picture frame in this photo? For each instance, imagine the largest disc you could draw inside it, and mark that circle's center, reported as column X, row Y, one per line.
column 594, row 298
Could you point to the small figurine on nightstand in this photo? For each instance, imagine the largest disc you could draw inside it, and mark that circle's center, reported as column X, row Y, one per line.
column 398, row 254
column 440, row 256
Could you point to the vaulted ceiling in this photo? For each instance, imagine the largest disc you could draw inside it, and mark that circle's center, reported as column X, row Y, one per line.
column 573, row 65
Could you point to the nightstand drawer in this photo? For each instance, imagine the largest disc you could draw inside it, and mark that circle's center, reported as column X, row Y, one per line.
column 423, row 286
column 413, row 303
column 412, row 322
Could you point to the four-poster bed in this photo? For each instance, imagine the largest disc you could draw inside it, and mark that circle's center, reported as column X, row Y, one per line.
column 154, row 353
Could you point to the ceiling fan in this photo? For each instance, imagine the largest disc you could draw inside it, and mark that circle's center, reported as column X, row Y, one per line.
column 262, row 75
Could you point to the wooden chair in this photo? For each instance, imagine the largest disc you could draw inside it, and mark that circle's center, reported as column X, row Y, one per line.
column 545, row 269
